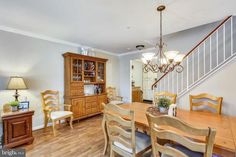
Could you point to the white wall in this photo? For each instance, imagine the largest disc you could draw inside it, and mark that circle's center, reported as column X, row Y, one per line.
column 41, row 63
column 137, row 73
column 222, row 83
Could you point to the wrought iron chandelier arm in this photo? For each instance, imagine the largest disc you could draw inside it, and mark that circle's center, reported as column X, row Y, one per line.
column 155, row 68
column 179, row 68
column 145, row 68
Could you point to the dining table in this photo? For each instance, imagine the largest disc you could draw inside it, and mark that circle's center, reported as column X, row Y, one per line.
column 225, row 139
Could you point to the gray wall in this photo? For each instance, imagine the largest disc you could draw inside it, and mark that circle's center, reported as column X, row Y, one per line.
column 41, row 63
column 182, row 41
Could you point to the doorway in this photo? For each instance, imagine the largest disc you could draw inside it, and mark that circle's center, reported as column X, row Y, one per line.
column 141, row 82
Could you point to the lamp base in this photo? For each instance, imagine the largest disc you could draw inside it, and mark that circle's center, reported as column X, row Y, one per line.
column 16, row 95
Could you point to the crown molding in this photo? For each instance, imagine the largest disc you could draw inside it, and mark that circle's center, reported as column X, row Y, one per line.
column 104, row 51
column 136, row 51
column 51, row 39
column 38, row 36
column 64, row 42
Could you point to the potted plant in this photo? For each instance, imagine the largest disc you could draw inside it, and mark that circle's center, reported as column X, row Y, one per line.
column 163, row 104
column 14, row 106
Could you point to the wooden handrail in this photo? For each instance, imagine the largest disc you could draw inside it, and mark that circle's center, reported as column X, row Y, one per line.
column 192, row 50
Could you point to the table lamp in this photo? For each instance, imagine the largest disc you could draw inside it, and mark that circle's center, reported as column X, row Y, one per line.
column 16, row 83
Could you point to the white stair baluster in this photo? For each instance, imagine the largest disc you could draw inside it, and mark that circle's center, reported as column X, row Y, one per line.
column 224, row 41
column 204, row 56
column 231, row 38
column 210, row 55
column 217, row 48
column 198, row 63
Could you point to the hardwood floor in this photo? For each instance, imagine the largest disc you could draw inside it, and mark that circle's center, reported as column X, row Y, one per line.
column 85, row 140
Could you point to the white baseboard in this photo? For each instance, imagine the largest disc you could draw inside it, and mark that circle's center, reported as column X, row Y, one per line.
column 38, row 127
column 42, row 126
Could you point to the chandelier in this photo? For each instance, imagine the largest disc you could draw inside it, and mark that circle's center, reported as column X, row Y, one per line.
column 162, row 61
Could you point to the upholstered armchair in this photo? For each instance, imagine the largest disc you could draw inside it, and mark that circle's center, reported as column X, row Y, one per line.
column 112, row 96
column 51, row 109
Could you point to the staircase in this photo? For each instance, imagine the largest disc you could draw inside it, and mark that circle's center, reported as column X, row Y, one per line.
column 215, row 51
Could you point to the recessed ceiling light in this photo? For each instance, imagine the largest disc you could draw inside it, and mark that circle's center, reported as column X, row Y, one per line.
column 128, row 48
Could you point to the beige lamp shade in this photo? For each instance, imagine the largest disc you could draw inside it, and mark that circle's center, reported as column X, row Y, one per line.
column 16, row 83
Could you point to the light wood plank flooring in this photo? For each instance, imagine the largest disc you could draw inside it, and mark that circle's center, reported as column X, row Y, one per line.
column 85, row 140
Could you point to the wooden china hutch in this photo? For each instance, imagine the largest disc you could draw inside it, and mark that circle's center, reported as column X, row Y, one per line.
column 85, row 84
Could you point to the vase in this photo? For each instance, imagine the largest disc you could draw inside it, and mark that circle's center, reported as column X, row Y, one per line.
column 163, row 109
column 14, row 108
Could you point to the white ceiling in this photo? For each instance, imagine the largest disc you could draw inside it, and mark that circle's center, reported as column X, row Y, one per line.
column 113, row 25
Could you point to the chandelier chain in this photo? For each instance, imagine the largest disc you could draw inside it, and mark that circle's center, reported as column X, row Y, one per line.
column 166, row 61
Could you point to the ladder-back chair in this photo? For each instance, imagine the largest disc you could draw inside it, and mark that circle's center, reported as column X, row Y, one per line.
column 51, row 109
column 179, row 145
column 123, row 138
column 201, row 101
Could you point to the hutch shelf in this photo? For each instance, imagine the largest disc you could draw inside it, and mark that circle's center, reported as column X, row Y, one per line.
column 83, row 72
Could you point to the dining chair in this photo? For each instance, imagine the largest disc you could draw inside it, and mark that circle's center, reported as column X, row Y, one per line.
column 51, row 109
column 169, row 95
column 104, row 129
column 161, row 127
column 123, row 139
column 112, row 96
column 205, row 102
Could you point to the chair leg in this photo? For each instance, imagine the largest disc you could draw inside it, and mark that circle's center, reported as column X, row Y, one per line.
column 105, row 136
column 45, row 122
column 154, row 154
column 112, row 153
column 71, row 122
column 54, row 127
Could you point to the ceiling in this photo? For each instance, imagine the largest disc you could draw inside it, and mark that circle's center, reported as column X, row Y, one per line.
column 115, row 26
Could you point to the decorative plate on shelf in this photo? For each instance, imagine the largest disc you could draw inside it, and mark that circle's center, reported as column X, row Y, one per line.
column 91, row 66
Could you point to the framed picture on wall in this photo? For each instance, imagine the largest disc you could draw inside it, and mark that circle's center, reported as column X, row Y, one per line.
column 24, row 105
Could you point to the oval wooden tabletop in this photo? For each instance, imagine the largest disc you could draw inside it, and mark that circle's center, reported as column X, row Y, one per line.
column 224, row 125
